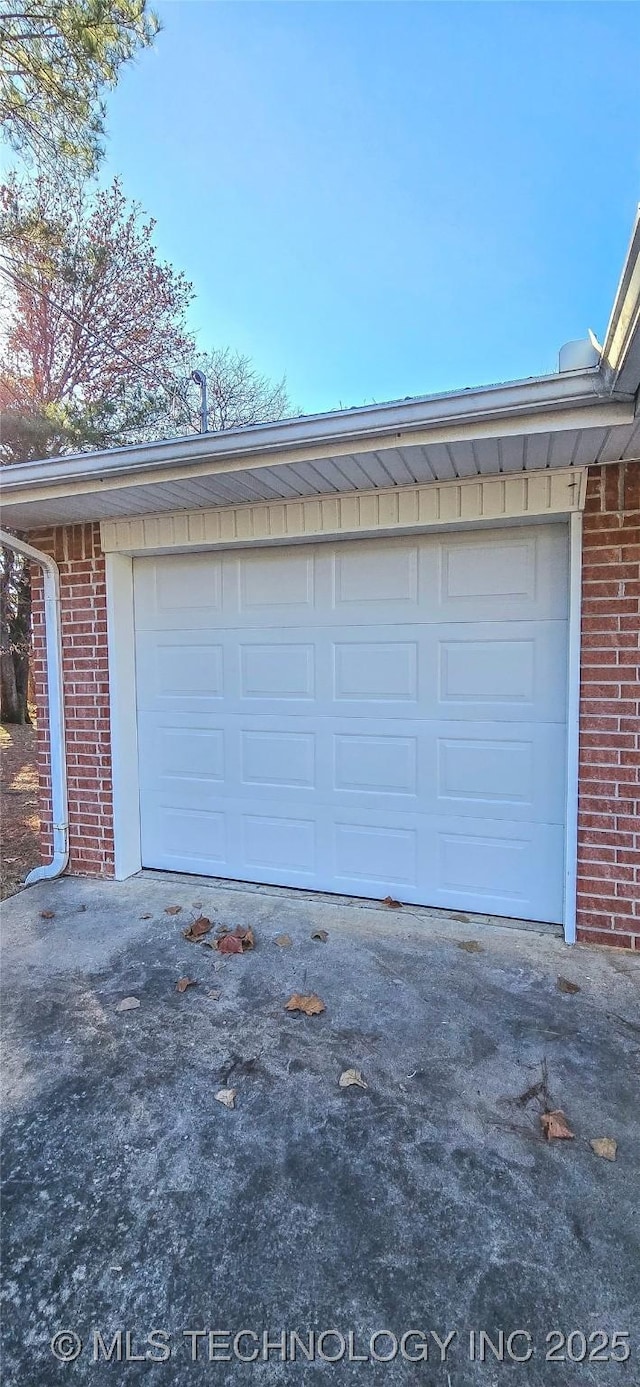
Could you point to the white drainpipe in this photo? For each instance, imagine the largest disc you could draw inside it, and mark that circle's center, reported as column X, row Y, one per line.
column 53, row 641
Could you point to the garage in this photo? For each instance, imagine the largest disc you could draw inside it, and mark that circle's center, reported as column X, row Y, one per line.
column 368, row 717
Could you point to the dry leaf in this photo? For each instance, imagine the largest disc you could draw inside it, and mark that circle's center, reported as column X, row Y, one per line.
column 391, row 904
column 321, row 934
column 565, row 985
column 351, row 1077
column 236, row 941
column 128, row 1004
column 47, row 914
column 311, row 1006
column 605, row 1147
column 183, row 983
column 226, row 1096
column 197, row 929
column 470, row 946
column 284, row 941
column 555, row 1126
column 229, row 944
column 172, row 909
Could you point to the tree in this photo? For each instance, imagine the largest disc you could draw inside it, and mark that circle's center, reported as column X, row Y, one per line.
column 95, row 323
column 237, row 393
column 55, row 60
column 93, row 328
column 15, row 636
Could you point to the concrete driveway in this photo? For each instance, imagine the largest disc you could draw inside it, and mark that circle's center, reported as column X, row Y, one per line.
column 427, row 1202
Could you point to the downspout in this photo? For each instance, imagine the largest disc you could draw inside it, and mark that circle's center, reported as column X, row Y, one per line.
column 53, row 645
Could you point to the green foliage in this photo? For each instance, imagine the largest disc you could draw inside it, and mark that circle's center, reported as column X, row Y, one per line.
column 56, row 58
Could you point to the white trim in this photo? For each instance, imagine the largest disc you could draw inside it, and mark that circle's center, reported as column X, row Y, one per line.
column 573, row 728
column 123, row 715
column 391, row 510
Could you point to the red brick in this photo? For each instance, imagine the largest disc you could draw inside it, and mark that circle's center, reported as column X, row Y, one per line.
column 611, row 938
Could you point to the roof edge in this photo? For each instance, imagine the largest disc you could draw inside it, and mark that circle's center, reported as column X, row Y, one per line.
column 540, row 394
column 620, row 361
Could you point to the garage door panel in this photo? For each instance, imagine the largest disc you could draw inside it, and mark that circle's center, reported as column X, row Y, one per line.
column 181, row 839
column 376, row 857
column 275, row 579
column 506, row 771
column 495, row 867
column 178, row 590
column 183, row 671
column 520, row 577
column 374, row 764
column 367, row 573
column 503, row 575
column 510, row 671
column 372, row 717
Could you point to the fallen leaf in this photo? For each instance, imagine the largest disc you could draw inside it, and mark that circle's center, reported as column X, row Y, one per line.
column 183, row 983
column 555, row 1126
column 172, row 909
column 229, row 944
column 47, row 914
column 351, row 1077
column 128, row 1004
column 470, row 946
column 284, row 941
column 236, row 941
column 391, row 904
column 605, row 1147
column 197, row 929
column 146, row 917
column 214, row 993
column 321, row 934
column 311, row 1006
column 565, row 985
column 226, row 1096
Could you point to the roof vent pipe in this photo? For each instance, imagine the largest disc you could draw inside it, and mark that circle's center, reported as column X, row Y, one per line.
column 579, row 356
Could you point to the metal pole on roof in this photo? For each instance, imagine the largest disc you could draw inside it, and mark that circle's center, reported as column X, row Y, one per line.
column 201, row 380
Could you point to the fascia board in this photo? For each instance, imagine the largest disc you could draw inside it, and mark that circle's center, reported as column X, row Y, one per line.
column 322, row 435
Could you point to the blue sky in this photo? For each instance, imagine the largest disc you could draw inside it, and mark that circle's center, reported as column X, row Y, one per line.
column 393, row 198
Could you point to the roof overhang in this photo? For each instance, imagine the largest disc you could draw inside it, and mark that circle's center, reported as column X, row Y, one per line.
column 569, row 419
column 621, row 352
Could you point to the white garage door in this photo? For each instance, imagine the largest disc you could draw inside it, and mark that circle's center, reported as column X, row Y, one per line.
column 369, row 717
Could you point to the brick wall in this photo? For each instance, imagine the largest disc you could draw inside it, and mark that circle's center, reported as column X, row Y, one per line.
column 77, row 552
column 609, row 801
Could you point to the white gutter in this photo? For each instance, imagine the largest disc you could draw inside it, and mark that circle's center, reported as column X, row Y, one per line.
column 53, row 645
column 542, row 394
